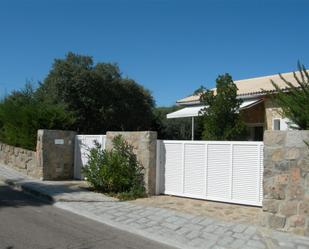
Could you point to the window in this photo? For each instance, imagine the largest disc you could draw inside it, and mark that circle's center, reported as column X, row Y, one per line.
column 276, row 125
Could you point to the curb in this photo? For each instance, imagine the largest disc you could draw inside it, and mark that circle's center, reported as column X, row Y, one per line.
column 22, row 186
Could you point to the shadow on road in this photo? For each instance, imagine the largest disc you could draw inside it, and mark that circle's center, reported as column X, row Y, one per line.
column 10, row 197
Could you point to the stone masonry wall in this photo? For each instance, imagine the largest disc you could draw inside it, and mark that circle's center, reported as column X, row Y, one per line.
column 286, row 181
column 20, row 159
column 144, row 143
column 55, row 154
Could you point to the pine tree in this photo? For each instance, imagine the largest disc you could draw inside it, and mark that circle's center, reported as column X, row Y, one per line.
column 294, row 99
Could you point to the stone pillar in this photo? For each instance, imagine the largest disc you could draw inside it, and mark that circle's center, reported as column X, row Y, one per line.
column 286, row 181
column 55, row 154
column 144, row 143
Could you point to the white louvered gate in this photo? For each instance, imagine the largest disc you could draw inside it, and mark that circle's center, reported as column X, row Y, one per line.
column 213, row 170
column 83, row 143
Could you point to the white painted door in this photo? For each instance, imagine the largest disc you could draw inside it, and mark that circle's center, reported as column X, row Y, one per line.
column 212, row 170
column 83, row 144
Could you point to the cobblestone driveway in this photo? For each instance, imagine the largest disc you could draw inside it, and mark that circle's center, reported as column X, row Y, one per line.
column 223, row 211
column 178, row 229
column 185, row 230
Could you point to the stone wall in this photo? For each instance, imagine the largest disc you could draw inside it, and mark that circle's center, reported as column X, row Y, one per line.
column 20, row 159
column 55, row 154
column 286, row 181
column 144, row 143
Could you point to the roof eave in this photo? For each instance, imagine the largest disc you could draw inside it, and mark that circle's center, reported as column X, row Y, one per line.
column 241, row 96
column 195, row 102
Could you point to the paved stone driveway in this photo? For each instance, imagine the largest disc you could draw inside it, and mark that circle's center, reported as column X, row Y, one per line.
column 223, row 211
column 168, row 226
column 185, row 230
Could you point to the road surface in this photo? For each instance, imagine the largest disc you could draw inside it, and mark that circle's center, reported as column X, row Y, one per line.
column 29, row 223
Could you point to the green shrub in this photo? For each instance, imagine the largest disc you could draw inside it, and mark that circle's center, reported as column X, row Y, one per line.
column 21, row 115
column 117, row 171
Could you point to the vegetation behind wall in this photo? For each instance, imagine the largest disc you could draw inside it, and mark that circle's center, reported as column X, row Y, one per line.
column 22, row 114
column 295, row 101
column 76, row 95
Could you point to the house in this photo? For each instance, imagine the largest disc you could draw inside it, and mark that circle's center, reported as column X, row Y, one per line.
column 258, row 110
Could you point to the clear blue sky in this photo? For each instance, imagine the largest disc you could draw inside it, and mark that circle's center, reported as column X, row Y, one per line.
column 169, row 46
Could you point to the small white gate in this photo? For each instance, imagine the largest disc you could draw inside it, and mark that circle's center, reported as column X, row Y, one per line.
column 83, row 143
column 213, row 170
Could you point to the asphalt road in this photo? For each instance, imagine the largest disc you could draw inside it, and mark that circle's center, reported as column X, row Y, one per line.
column 28, row 223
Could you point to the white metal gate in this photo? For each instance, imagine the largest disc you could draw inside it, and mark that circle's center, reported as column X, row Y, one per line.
column 83, row 143
column 213, row 170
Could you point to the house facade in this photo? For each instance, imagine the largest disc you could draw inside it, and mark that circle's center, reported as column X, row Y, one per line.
column 258, row 110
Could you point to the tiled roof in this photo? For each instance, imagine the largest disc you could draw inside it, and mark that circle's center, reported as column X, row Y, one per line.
column 253, row 86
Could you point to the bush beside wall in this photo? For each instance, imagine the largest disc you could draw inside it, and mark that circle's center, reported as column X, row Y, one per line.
column 145, row 147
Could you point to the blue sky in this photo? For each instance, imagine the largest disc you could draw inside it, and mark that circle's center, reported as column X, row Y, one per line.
column 169, row 46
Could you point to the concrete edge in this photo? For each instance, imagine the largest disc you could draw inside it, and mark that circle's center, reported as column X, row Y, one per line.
column 60, row 204
column 125, row 228
column 29, row 190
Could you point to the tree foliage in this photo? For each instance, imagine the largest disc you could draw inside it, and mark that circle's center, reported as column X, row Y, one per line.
column 295, row 101
column 21, row 115
column 78, row 95
column 100, row 98
column 221, row 118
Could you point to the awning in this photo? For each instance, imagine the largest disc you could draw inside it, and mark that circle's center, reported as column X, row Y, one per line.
column 186, row 112
column 193, row 111
column 249, row 103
